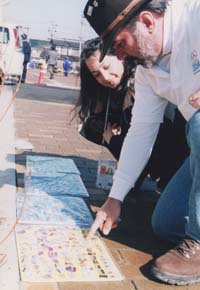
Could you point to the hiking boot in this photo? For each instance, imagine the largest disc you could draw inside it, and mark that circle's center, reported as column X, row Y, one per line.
column 179, row 266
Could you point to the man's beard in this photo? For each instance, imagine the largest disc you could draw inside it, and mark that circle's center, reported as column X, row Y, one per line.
column 144, row 61
column 147, row 50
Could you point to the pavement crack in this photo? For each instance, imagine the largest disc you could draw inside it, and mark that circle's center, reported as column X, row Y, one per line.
column 134, row 285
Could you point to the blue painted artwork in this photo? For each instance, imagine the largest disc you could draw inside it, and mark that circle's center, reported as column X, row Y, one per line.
column 45, row 209
column 65, row 184
column 50, row 166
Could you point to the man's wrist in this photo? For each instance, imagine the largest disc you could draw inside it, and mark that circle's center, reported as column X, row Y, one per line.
column 110, row 198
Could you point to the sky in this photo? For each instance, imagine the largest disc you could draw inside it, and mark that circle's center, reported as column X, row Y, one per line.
column 62, row 18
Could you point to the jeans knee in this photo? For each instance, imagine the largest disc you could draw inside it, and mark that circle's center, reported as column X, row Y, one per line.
column 168, row 230
column 162, row 229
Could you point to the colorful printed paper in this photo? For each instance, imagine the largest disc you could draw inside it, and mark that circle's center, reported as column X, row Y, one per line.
column 59, row 254
column 66, row 184
column 46, row 209
column 106, row 170
column 50, row 166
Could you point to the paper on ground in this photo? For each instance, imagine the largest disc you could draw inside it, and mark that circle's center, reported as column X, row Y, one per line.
column 60, row 254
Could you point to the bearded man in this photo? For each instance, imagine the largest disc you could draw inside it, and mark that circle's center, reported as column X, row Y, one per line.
column 162, row 37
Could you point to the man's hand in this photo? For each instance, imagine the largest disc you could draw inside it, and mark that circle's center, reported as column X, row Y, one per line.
column 107, row 217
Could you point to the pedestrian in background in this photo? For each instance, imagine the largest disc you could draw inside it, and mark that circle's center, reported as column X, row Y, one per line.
column 51, row 60
column 66, row 66
column 27, row 55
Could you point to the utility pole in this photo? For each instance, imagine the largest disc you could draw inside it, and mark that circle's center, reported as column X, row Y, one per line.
column 81, row 36
column 52, row 31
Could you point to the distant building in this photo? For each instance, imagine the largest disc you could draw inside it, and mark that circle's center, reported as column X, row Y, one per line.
column 68, row 47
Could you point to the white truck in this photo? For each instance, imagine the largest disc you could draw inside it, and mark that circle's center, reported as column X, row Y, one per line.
column 11, row 55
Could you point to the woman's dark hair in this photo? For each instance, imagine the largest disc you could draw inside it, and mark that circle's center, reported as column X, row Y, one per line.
column 90, row 90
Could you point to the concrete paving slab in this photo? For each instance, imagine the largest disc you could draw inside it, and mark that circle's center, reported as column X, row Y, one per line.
column 123, row 285
column 9, row 273
column 130, row 262
column 38, row 286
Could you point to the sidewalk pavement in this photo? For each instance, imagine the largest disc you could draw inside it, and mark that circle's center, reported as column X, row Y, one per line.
column 9, row 274
column 59, row 80
column 48, row 127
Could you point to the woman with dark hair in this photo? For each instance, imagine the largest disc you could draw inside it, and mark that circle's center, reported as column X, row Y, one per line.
column 105, row 102
column 104, row 108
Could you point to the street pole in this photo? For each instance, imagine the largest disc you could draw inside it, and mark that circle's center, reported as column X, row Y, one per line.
column 81, row 37
column 52, row 30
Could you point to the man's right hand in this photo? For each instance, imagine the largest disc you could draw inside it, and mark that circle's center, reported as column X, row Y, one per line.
column 107, row 217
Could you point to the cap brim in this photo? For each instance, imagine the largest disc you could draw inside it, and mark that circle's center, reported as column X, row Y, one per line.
column 107, row 41
column 106, row 44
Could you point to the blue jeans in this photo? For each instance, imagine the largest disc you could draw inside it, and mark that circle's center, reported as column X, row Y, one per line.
column 177, row 212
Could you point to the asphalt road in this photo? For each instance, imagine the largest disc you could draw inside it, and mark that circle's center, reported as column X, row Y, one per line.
column 48, row 94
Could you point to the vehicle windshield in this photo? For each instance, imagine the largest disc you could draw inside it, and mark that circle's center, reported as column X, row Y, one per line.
column 4, row 35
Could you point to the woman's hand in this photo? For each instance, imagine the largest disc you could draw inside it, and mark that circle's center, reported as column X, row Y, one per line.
column 110, row 131
column 107, row 217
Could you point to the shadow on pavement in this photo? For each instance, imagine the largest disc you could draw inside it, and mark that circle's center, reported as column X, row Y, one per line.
column 5, row 177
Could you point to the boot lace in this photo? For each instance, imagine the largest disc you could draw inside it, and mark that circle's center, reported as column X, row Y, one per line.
column 187, row 247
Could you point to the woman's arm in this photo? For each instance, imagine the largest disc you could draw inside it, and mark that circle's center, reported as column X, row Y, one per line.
column 98, row 108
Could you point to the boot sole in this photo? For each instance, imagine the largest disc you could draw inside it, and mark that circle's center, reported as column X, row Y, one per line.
column 174, row 279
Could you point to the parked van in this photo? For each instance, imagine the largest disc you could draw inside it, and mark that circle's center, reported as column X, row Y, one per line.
column 11, row 55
